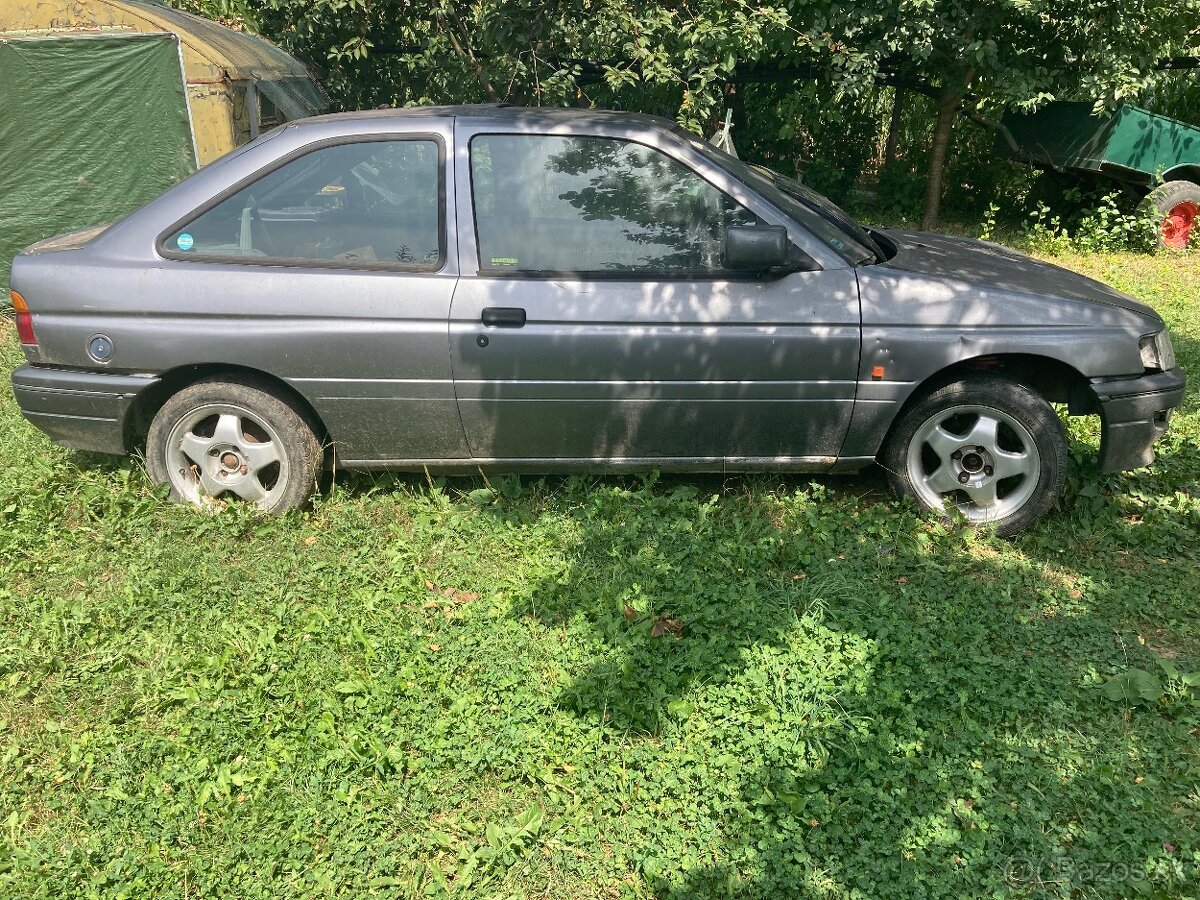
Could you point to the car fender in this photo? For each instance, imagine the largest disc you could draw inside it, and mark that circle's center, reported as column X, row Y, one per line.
column 916, row 326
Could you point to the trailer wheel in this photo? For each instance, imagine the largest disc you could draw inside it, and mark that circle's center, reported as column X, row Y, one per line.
column 1178, row 202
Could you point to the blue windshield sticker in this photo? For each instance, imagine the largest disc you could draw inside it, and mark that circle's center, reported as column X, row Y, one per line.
column 184, row 241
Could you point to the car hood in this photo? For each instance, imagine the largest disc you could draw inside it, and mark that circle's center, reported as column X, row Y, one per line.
column 991, row 266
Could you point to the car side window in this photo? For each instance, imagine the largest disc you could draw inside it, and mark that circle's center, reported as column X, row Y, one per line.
column 363, row 204
column 595, row 205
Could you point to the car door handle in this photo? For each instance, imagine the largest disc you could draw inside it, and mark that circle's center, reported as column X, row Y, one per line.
column 504, row 317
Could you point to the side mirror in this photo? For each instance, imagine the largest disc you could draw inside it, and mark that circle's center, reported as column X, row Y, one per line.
column 764, row 248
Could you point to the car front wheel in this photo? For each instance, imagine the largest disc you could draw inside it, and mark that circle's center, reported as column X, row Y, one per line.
column 990, row 448
column 216, row 440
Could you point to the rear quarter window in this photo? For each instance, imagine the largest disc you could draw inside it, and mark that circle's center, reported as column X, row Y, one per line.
column 364, row 203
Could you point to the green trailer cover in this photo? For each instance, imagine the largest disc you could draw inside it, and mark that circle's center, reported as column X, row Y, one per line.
column 91, row 127
column 1132, row 144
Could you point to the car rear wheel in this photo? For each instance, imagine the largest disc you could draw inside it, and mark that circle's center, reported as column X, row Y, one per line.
column 218, row 440
column 988, row 447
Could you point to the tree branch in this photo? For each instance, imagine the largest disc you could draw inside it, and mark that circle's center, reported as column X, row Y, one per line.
column 469, row 56
column 997, row 126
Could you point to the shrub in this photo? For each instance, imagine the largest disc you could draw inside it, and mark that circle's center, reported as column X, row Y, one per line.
column 1110, row 223
column 1110, row 226
column 1044, row 231
column 901, row 192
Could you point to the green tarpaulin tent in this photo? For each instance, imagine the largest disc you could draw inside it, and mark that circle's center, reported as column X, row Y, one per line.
column 91, row 127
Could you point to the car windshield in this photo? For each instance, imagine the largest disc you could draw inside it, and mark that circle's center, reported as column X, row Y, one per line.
column 815, row 212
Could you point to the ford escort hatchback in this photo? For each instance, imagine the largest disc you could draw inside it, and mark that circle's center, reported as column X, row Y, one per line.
column 546, row 290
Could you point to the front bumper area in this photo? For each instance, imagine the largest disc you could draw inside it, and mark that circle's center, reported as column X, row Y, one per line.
column 78, row 409
column 1134, row 414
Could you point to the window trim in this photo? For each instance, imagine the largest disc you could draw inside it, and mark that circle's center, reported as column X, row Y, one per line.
column 160, row 243
column 646, row 274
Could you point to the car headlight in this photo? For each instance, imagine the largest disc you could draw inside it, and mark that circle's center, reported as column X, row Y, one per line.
column 1157, row 352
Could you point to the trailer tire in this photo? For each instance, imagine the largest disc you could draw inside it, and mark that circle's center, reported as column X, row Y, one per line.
column 1177, row 205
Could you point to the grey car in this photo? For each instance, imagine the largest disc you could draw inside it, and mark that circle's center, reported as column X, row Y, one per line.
column 545, row 290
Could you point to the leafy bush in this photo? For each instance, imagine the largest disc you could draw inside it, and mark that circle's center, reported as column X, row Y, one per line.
column 828, row 179
column 795, row 126
column 1043, row 231
column 1108, row 225
column 900, row 193
column 987, row 228
column 977, row 173
column 1111, row 225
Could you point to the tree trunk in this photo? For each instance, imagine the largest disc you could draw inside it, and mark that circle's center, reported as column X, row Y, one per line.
column 893, row 133
column 948, row 103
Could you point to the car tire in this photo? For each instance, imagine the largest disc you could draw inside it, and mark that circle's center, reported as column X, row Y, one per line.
column 1177, row 206
column 218, row 439
column 986, row 445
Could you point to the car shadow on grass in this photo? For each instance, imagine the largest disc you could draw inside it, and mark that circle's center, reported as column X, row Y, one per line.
column 859, row 702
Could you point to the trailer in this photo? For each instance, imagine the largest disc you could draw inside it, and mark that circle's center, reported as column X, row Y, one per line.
column 1155, row 156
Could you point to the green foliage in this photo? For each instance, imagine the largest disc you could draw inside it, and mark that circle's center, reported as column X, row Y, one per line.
column 1137, row 686
column 987, row 228
column 795, row 129
column 1044, row 232
column 1174, row 94
column 1109, row 226
column 656, row 57
column 900, row 193
column 802, row 77
column 983, row 56
column 232, row 13
column 1114, row 222
column 976, row 174
column 595, row 687
column 1134, row 686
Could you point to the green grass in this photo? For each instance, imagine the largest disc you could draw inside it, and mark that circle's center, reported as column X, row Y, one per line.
column 436, row 689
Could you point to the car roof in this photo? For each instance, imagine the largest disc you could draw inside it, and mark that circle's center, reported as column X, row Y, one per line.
column 499, row 111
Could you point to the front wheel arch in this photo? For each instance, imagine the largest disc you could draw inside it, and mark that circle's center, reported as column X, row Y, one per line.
column 1052, row 379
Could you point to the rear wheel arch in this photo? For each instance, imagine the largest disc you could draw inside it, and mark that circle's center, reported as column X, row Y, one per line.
column 171, row 382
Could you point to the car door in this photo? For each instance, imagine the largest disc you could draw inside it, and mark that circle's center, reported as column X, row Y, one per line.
column 330, row 267
column 594, row 319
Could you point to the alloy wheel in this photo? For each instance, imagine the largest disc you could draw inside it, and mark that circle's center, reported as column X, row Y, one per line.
column 979, row 459
column 219, row 449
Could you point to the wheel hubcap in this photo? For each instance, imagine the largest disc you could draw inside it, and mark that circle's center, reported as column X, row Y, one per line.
column 979, row 459
column 219, row 448
column 1178, row 224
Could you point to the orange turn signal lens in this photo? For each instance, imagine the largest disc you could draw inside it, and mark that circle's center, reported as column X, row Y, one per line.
column 24, row 319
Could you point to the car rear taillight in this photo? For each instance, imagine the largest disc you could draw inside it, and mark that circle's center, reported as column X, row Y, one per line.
column 24, row 319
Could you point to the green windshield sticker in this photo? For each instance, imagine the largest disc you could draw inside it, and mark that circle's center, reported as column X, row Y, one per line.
column 504, row 260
